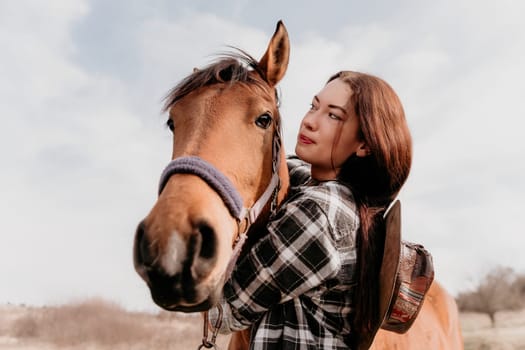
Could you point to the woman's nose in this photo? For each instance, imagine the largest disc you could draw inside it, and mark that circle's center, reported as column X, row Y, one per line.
column 309, row 121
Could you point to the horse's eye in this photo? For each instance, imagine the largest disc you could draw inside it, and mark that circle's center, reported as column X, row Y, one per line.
column 264, row 121
column 170, row 124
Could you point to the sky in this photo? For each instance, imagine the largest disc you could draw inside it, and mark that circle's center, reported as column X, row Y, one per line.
column 83, row 140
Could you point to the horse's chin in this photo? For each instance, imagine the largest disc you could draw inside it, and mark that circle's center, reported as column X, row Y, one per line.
column 203, row 306
column 173, row 303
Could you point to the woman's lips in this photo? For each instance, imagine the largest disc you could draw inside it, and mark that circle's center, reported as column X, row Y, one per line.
column 305, row 140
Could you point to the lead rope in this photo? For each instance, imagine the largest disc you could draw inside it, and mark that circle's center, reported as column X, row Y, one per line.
column 210, row 344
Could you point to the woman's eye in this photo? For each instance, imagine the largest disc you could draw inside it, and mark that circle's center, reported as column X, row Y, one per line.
column 263, row 121
column 170, row 125
column 333, row 116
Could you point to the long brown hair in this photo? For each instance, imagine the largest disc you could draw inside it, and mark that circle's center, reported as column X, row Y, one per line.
column 375, row 179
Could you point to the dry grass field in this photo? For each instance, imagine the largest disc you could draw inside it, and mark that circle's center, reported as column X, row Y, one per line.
column 508, row 333
column 99, row 325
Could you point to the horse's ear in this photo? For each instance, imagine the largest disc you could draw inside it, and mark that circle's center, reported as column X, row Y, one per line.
column 275, row 59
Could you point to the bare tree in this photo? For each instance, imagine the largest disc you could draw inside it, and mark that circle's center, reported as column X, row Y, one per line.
column 519, row 284
column 501, row 289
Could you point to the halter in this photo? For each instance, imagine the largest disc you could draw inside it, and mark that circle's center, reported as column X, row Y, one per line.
column 245, row 217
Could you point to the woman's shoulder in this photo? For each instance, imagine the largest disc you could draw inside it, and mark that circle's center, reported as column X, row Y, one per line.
column 334, row 200
column 298, row 170
column 330, row 194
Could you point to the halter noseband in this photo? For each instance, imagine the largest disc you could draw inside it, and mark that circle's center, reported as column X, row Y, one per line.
column 211, row 175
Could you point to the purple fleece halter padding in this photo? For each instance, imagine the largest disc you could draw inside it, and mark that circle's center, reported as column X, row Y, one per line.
column 213, row 177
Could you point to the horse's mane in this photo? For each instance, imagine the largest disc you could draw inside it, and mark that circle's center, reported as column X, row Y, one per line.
column 229, row 67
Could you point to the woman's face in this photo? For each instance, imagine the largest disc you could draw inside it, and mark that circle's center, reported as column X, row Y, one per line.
column 331, row 111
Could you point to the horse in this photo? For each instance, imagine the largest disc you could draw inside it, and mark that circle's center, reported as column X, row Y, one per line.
column 228, row 171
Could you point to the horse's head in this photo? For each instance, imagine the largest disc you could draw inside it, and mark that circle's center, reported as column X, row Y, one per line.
column 225, row 121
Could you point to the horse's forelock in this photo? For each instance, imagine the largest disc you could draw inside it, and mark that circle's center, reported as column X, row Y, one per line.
column 229, row 67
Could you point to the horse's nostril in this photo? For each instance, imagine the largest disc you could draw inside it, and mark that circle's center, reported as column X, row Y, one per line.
column 142, row 246
column 208, row 242
column 201, row 251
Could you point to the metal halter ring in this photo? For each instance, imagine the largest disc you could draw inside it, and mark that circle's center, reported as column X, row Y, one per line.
column 210, row 344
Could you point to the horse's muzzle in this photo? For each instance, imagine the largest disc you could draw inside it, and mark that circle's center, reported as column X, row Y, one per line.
column 177, row 273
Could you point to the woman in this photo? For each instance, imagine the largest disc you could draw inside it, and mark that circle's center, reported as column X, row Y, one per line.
column 311, row 282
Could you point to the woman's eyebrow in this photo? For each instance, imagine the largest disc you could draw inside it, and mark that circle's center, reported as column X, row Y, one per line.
column 316, row 99
column 338, row 107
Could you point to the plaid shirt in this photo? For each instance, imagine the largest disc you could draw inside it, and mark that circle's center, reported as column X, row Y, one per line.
column 295, row 285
